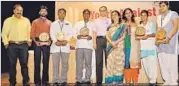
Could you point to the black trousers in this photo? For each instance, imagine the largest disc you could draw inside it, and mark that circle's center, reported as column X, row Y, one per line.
column 20, row 51
column 101, row 46
column 45, row 50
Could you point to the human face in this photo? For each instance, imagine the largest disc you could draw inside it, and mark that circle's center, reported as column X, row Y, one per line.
column 86, row 15
column 115, row 17
column 18, row 11
column 128, row 14
column 61, row 14
column 103, row 12
column 144, row 17
column 163, row 8
column 43, row 13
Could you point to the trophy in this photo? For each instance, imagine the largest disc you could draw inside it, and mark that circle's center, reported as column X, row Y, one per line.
column 84, row 31
column 44, row 38
column 140, row 32
column 160, row 35
column 60, row 36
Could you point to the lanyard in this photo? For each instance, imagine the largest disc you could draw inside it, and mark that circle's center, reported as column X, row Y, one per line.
column 85, row 24
column 61, row 26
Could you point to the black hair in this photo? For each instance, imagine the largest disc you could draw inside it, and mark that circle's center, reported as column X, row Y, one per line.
column 86, row 10
column 144, row 11
column 61, row 9
column 43, row 7
column 118, row 15
column 17, row 5
column 123, row 15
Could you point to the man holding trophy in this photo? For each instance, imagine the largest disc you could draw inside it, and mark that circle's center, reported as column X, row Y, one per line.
column 40, row 35
column 60, row 33
column 83, row 33
column 166, row 40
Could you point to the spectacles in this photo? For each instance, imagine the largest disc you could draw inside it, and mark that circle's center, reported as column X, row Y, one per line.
column 102, row 10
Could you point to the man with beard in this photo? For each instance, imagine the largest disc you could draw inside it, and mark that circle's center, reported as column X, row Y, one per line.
column 40, row 30
column 16, row 38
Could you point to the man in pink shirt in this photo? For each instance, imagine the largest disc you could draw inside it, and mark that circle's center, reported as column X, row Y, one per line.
column 99, row 33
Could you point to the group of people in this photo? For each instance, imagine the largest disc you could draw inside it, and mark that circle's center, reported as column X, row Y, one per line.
column 113, row 38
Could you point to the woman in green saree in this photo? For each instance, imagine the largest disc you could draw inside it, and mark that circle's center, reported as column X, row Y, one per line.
column 115, row 48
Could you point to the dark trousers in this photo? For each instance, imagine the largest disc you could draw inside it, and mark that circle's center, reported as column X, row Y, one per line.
column 101, row 46
column 45, row 50
column 20, row 51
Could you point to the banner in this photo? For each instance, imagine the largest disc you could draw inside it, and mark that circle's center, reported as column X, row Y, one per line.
column 75, row 9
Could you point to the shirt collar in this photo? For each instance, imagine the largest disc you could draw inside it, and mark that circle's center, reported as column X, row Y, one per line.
column 102, row 18
column 164, row 14
column 17, row 18
column 61, row 21
column 43, row 19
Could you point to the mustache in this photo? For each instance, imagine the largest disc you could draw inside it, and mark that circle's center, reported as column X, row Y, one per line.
column 19, row 13
column 43, row 15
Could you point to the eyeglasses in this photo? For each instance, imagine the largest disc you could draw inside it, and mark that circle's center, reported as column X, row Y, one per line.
column 102, row 10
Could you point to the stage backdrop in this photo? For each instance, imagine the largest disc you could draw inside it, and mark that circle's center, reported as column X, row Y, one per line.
column 75, row 9
column 74, row 14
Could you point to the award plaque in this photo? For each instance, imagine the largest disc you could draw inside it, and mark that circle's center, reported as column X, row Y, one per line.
column 44, row 38
column 84, row 31
column 60, row 36
column 160, row 35
column 140, row 31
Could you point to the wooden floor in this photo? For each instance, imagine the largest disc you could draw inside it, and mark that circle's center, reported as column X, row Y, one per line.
column 71, row 71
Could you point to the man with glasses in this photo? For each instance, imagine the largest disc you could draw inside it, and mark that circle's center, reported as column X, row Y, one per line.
column 99, row 42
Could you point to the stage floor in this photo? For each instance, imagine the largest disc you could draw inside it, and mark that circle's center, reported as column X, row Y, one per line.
column 71, row 71
column 5, row 82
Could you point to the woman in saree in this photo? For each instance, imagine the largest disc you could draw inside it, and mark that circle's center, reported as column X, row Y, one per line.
column 115, row 48
column 132, row 48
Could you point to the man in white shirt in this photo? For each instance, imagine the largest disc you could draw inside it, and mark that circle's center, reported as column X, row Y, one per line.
column 60, row 32
column 99, row 36
column 83, row 48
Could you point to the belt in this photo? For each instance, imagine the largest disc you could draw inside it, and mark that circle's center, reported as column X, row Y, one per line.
column 17, row 42
column 101, row 36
